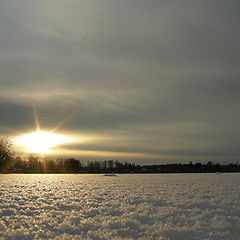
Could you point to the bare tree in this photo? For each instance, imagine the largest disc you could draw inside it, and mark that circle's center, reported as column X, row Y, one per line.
column 6, row 146
column 6, row 152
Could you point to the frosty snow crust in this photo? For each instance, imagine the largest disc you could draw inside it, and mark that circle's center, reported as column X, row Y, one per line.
column 171, row 206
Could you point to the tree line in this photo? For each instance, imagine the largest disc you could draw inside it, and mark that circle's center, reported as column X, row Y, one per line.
column 36, row 164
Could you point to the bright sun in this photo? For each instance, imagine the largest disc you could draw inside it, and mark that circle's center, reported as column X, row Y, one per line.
column 41, row 142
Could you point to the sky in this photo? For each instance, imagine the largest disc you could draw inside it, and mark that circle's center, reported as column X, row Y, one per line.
column 143, row 81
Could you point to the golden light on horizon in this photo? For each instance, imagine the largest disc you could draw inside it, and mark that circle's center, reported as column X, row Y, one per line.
column 41, row 142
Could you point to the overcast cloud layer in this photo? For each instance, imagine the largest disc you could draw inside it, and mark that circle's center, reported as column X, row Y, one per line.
column 151, row 80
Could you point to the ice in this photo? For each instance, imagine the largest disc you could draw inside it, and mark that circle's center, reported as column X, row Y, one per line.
column 160, row 206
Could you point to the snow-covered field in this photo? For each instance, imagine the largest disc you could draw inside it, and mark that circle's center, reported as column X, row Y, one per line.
column 171, row 206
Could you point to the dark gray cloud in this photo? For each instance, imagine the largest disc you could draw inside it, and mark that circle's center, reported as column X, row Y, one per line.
column 158, row 77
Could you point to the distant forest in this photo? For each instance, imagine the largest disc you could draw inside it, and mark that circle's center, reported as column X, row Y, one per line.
column 35, row 164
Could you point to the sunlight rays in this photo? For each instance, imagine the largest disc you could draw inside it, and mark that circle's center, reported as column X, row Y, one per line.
column 42, row 142
column 35, row 114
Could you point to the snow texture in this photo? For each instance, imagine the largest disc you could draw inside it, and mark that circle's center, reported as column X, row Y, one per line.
column 160, row 206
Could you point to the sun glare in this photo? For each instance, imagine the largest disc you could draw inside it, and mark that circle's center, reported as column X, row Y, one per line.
column 41, row 142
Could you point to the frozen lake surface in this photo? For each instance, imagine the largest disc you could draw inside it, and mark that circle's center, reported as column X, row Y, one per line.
column 160, row 206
